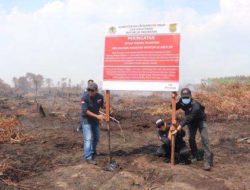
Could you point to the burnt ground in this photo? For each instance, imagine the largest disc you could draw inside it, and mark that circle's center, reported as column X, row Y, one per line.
column 53, row 158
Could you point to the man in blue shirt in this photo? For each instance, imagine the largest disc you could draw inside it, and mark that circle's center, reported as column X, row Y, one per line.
column 91, row 103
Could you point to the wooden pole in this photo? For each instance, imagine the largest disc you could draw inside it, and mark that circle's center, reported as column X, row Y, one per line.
column 173, row 125
column 107, row 99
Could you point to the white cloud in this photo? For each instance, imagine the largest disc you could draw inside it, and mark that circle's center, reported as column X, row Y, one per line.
column 66, row 38
column 50, row 10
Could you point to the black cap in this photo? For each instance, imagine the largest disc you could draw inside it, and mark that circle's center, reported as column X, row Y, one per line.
column 159, row 123
column 186, row 93
column 90, row 81
column 92, row 86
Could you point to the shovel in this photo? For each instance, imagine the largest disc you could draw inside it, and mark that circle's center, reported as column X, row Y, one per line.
column 112, row 164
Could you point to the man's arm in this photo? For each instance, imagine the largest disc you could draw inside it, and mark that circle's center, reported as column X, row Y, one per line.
column 102, row 103
column 85, row 111
column 181, row 133
column 171, row 132
column 178, row 105
column 84, row 105
column 163, row 138
column 91, row 114
column 189, row 118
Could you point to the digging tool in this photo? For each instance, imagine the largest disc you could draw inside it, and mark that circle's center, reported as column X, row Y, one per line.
column 117, row 122
column 112, row 164
column 111, row 118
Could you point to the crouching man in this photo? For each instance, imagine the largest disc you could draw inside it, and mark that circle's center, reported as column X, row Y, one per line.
column 91, row 103
column 181, row 149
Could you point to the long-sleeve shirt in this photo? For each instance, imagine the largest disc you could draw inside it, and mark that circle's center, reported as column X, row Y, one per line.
column 194, row 112
column 92, row 104
column 179, row 142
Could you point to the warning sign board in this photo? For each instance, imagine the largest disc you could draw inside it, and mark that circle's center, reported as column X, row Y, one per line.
column 142, row 57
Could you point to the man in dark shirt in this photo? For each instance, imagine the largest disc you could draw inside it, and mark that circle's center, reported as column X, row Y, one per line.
column 91, row 103
column 195, row 118
column 83, row 94
column 181, row 149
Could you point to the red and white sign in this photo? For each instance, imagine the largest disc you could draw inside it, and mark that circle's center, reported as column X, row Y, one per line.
column 142, row 57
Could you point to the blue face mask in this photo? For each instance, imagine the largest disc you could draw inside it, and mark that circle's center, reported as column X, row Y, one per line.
column 186, row 101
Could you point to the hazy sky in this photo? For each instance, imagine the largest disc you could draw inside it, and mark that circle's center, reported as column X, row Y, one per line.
column 66, row 38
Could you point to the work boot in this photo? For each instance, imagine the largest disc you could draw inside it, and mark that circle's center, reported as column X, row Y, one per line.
column 185, row 162
column 207, row 166
column 160, row 152
column 166, row 159
column 182, row 162
column 200, row 155
column 193, row 159
column 93, row 162
column 94, row 155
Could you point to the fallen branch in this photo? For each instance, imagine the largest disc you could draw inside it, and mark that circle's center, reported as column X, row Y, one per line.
column 122, row 134
column 242, row 139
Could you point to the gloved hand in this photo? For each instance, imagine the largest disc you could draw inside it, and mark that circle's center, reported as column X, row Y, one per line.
column 174, row 132
column 174, row 129
column 101, row 117
column 170, row 133
column 179, row 128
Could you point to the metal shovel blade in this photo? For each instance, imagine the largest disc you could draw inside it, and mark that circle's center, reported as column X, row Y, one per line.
column 112, row 166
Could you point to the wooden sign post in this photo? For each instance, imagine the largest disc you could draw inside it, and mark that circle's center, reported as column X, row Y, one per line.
column 173, row 97
column 107, row 100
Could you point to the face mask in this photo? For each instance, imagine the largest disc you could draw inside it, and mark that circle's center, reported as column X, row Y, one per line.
column 186, row 101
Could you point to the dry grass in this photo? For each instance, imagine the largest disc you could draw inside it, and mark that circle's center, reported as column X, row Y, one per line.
column 11, row 130
column 226, row 101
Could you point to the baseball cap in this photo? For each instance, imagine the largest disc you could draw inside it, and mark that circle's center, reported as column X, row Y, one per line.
column 186, row 93
column 92, row 86
column 159, row 123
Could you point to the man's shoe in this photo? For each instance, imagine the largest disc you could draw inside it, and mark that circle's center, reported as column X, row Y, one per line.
column 158, row 154
column 182, row 163
column 207, row 166
column 167, row 160
column 93, row 162
column 200, row 155
column 94, row 155
column 193, row 160
column 187, row 162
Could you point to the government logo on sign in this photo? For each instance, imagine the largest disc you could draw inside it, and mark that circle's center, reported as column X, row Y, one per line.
column 172, row 27
column 112, row 30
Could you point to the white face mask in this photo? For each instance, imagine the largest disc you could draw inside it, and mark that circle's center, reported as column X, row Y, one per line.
column 186, row 101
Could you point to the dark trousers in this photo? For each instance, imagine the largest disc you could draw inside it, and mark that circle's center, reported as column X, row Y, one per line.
column 164, row 150
column 181, row 152
column 202, row 127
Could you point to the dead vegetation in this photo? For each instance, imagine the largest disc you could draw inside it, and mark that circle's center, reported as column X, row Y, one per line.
column 46, row 152
column 11, row 130
column 226, row 100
